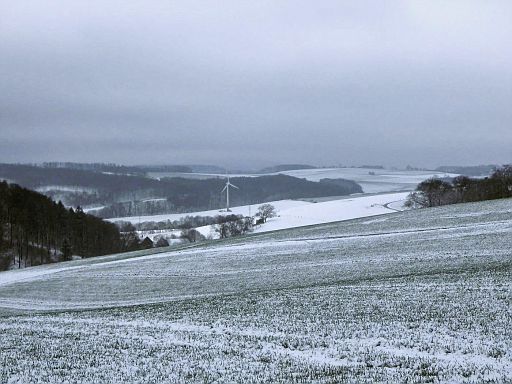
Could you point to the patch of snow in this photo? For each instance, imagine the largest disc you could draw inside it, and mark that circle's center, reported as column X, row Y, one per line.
column 295, row 213
column 330, row 211
column 382, row 180
column 246, row 210
column 92, row 209
column 64, row 188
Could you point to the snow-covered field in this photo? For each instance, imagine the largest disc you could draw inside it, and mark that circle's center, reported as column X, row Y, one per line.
column 64, row 188
column 297, row 213
column 414, row 296
column 335, row 210
column 245, row 210
column 382, row 180
column 93, row 208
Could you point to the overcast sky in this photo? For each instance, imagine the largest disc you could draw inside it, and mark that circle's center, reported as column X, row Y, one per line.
column 253, row 83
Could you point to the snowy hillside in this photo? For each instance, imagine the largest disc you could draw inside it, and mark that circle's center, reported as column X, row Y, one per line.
column 335, row 210
column 297, row 213
column 422, row 296
column 372, row 180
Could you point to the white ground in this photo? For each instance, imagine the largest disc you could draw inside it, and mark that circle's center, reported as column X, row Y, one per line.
column 383, row 180
column 330, row 211
column 245, row 210
column 415, row 296
column 295, row 213
column 64, row 188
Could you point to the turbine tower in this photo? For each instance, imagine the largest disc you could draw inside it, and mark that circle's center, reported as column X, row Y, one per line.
column 226, row 188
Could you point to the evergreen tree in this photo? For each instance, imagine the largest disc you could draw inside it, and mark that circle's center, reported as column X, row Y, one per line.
column 66, row 250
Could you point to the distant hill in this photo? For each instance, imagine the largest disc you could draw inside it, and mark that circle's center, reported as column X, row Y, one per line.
column 199, row 168
column 188, row 168
column 344, row 183
column 96, row 167
column 371, row 166
column 166, row 168
column 474, row 170
column 286, row 167
column 31, row 176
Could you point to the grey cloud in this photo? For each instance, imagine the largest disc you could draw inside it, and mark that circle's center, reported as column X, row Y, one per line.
column 254, row 83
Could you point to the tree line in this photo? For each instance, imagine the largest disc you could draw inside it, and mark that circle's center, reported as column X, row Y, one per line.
column 36, row 230
column 224, row 225
column 462, row 189
column 97, row 167
column 186, row 222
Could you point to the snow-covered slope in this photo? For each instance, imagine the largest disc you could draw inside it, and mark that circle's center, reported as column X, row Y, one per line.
column 246, row 210
column 335, row 210
column 417, row 296
column 372, row 180
column 444, row 224
column 298, row 213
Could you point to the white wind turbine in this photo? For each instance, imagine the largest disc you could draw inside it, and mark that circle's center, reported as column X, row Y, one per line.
column 226, row 188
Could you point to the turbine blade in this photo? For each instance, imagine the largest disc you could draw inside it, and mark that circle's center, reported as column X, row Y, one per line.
column 234, row 186
column 223, row 189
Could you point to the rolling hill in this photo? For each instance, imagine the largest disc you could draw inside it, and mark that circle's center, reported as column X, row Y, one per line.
column 417, row 295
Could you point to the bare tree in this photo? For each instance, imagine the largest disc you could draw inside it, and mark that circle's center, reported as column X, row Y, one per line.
column 191, row 235
column 238, row 227
column 222, row 229
column 266, row 211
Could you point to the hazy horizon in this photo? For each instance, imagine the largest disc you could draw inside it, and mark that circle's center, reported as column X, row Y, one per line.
column 234, row 170
column 247, row 85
